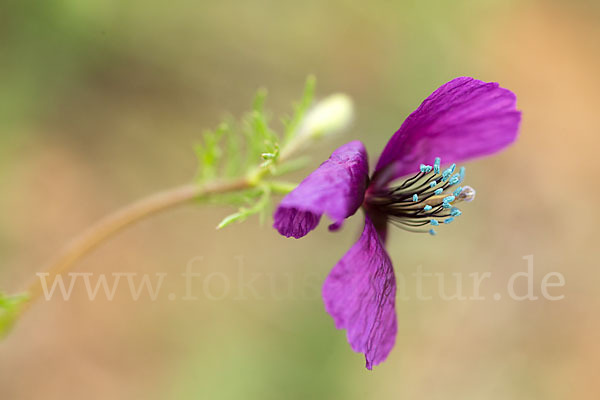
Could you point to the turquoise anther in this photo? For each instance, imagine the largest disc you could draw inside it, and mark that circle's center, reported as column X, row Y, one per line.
column 461, row 173
column 449, row 199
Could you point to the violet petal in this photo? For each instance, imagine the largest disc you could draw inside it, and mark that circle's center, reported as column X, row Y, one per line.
column 463, row 119
column 360, row 294
column 336, row 188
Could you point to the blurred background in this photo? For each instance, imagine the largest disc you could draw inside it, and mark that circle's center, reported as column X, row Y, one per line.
column 101, row 102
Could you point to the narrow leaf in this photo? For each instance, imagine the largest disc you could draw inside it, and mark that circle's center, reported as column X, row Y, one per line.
column 9, row 311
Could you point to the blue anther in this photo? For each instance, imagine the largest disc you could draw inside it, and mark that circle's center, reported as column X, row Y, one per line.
column 457, row 191
column 436, row 165
column 455, row 212
column 434, row 222
column 432, row 184
column 449, row 199
column 447, row 172
column 427, row 208
column 415, row 197
column 461, row 173
column 448, row 220
column 454, row 180
column 447, row 205
column 432, row 232
column 423, row 167
column 438, row 191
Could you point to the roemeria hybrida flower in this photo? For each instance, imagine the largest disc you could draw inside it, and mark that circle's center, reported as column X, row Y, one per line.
column 463, row 119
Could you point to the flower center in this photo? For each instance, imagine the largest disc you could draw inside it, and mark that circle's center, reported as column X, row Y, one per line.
column 427, row 198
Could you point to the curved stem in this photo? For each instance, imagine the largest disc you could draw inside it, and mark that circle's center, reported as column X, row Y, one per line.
column 104, row 229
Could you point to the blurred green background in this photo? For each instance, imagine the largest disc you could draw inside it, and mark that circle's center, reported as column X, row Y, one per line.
column 101, row 101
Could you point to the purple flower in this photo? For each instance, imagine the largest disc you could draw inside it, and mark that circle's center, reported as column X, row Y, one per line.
column 463, row 119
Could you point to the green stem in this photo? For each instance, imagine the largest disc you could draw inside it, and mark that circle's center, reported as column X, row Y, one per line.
column 114, row 223
column 89, row 240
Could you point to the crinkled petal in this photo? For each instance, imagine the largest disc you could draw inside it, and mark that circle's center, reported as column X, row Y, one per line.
column 463, row 119
column 360, row 295
column 336, row 188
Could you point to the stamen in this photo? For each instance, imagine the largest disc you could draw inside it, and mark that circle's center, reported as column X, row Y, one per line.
column 446, row 174
column 427, row 198
column 461, row 174
column 455, row 212
column 449, row 199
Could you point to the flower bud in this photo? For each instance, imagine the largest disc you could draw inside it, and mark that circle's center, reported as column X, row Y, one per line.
column 328, row 116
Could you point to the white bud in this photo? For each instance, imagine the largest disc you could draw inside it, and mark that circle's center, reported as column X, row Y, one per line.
column 467, row 194
column 328, row 116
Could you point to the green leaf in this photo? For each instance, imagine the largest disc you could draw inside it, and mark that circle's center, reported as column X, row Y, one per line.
column 260, row 207
column 10, row 307
column 279, row 187
column 291, row 166
column 251, row 149
column 233, row 150
column 291, row 124
column 238, row 216
column 210, row 153
column 250, row 144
